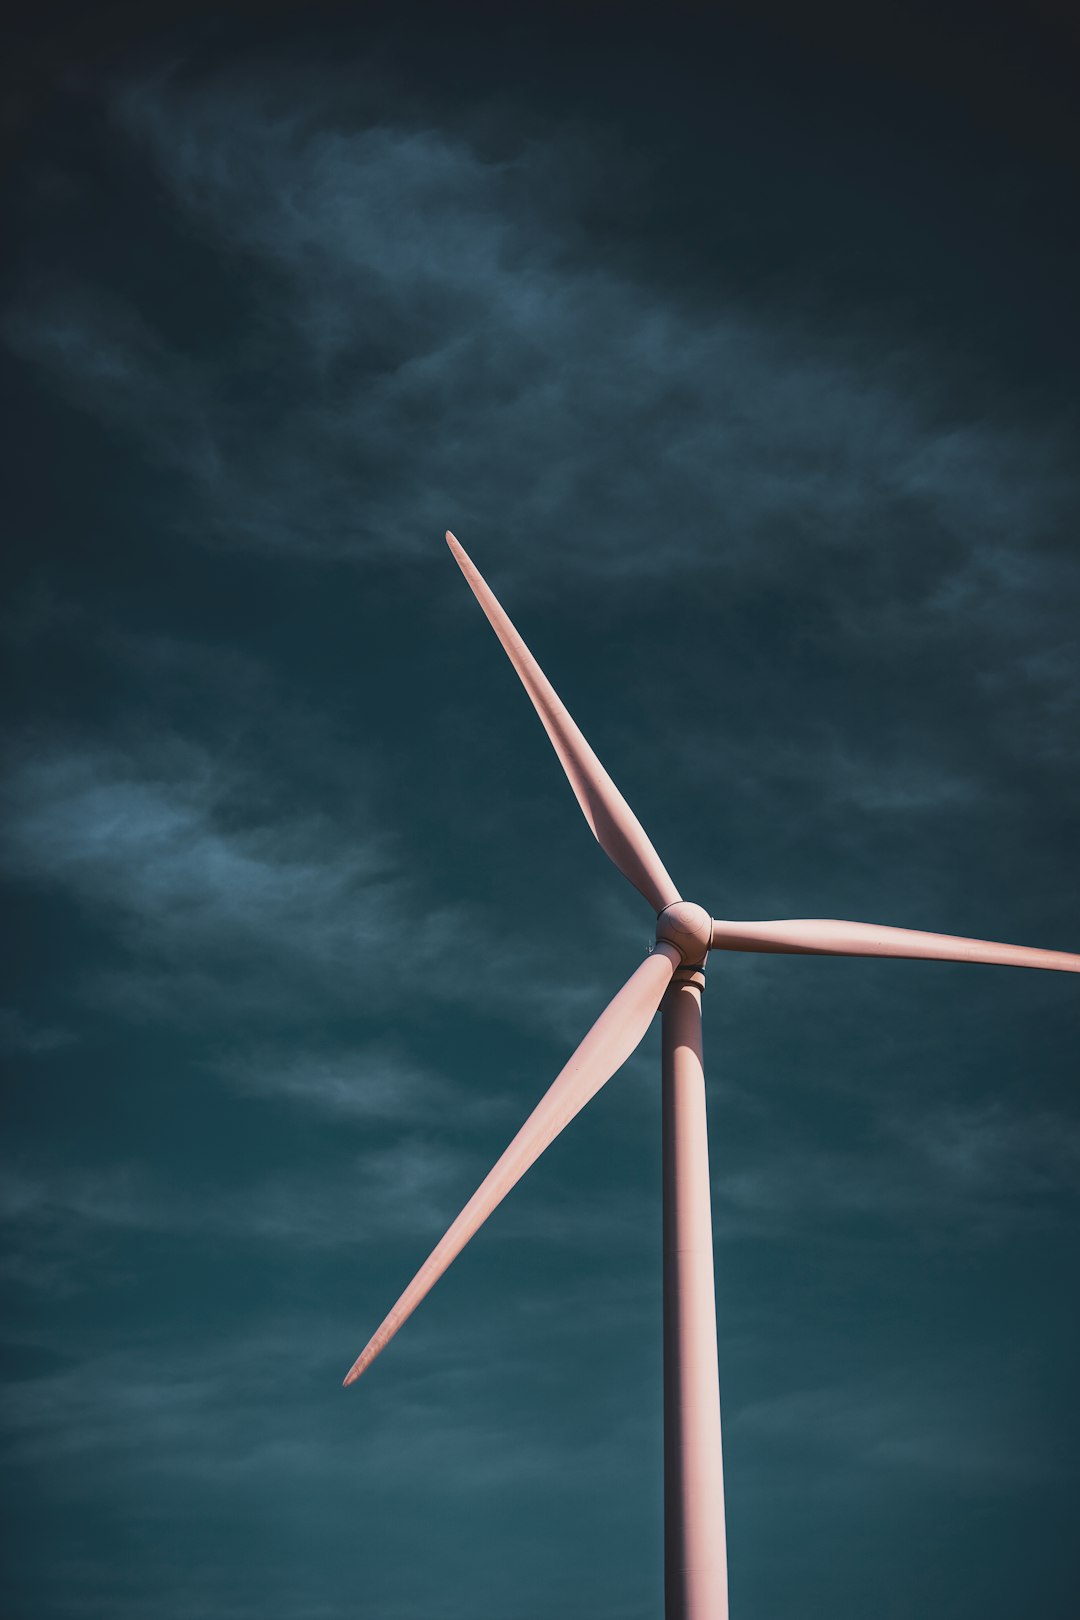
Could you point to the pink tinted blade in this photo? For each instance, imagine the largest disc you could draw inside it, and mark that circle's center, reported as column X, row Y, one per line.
column 615, row 826
column 829, row 937
column 615, row 1035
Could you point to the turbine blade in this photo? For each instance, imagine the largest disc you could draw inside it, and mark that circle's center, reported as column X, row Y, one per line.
column 615, row 826
column 829, row 937
column 615, row 1035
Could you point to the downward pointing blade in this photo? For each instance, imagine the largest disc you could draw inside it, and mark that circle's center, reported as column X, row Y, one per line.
column 828, row 937
column 615, row 826
column 615, row 1035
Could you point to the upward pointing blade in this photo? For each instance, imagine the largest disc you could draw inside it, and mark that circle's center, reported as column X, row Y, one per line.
column 615, row 826
column 820, row 936
column 615, row 1035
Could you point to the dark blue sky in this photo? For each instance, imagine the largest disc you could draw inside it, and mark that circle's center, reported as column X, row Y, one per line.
column 743, row 349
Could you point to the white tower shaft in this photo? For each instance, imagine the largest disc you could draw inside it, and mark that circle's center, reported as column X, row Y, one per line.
column 695, row 1544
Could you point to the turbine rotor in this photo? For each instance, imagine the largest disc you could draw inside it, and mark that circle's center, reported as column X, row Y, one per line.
column 689, row 928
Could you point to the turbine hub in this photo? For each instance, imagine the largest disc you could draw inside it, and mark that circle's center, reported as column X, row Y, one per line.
column 688, row 927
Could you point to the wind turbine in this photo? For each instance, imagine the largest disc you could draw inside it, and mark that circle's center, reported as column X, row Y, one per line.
column 671, row 978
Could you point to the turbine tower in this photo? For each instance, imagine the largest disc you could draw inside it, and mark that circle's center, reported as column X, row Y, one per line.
column 671, row 978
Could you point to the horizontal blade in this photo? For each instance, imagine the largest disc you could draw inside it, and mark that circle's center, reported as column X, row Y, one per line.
column 828, row 937
column 615, row 826
column 615, row 1035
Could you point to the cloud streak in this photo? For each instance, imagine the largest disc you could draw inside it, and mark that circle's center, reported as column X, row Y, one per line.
column 438, row 340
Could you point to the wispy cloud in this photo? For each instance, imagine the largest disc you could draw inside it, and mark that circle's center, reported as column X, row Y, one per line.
column 376, row 1083
column 379, row 1192
column 432, row 337
column 938, row 1430
column 447, row 353
column 815, row 584
column 987, row 1150
column 159, row 847
column 22, row 1036
column 428, row 341
column 958, row 1174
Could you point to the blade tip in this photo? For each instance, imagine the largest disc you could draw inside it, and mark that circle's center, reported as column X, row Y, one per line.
column 457, row 550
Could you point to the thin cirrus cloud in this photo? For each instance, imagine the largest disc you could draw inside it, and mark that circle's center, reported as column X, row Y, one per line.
column 394, row 1189
column 938, row 1428
column 427, row 341
column 375, row 1083
column 943, row 1175
column 424, row 337
column 191, row 866
column 379, row 1083
column 152, row 847
column 219, row 897
column 297, row 1000
column 22, row 1036
column 199, row 1411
